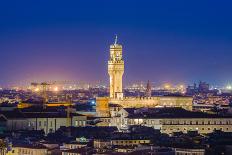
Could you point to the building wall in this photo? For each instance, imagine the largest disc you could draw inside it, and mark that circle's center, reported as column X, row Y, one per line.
column 70, row 153
column 102, row 106
column 170, row 125
column 172, row 101
column 28, row 151
column 98, row 143
column 80, row 121
column 74, row 146
column 202, row 125
column 46, row 124
column 180, row 151
column 130, row 142
column 17, row 124
column 105, row 121
column 114, row 111
column 103, row 110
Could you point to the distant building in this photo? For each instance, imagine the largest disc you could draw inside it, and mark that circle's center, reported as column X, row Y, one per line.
column 154, row 150
column 114, row 109
column 170, row 120
column 79, row 151
column 74, row 145
column 121, row 141
column 148, row 89
column 29, row 150
column 191, row 90
column 203, row 87
column 184, row 151
column 46, row 121
column 129, row 141
column 203, row 107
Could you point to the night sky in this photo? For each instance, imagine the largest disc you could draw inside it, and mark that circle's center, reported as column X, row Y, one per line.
column 163, row 40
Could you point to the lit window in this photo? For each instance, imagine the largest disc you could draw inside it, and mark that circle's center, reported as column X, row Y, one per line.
column 76, row 123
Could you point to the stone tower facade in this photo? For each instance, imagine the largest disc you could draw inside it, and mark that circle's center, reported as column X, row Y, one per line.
column 116, row 70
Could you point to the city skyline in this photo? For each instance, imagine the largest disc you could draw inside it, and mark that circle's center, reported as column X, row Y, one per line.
column 115, row 77
column 176, row 42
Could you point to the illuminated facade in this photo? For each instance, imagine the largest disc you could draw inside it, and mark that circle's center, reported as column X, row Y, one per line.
column 115, row 71
column 172, row 121
column 28, row 150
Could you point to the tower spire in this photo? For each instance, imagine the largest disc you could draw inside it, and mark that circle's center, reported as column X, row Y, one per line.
column 116, row 39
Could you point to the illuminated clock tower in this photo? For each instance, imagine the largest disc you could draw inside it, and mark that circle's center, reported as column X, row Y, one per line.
column 116, row 70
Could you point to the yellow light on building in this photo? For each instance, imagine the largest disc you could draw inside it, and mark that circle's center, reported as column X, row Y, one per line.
column 167, row 86
column 181, row 86
column 56, row 89
column 36, row 89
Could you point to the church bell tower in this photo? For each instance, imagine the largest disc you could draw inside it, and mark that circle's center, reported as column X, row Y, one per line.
column 116, row 70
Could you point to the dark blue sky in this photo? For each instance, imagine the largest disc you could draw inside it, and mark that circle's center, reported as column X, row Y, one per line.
column 164, row 40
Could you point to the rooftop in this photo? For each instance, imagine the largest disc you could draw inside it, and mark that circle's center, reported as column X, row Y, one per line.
column 32, row 146
column 83, row 150
column 17, row 114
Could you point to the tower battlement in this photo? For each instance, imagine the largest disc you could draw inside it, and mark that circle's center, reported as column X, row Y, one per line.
column 117, row 61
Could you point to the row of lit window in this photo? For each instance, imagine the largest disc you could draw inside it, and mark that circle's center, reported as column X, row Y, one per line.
column 182, row 122
column 130, row 141
column 80, row 123
column 197, row 122
column 40, row 123
column 198, row 129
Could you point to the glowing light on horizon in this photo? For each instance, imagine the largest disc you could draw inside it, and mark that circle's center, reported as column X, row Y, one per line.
column 229, row 87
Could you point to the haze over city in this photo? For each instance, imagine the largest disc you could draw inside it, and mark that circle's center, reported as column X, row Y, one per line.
column 163, row 41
